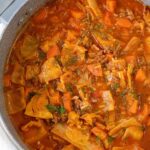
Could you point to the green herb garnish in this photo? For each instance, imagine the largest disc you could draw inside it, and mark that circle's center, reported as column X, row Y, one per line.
column 83, row 89
column 116, row 46
column 87, row 19
column 58, row 59
column 69, row 87
column 92, row 90
column 110, row 139
column 143, row 128
column 42, row 55
column 115, row 86
column 98, row 26
column 59, row 109
column 31, row 94
column 97, row 139
column 123, row 93
column 72, row 60
column 104, row 36
column 135, row 95
column 52, row 108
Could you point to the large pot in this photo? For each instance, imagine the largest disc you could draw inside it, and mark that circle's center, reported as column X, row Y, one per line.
column 10, row 23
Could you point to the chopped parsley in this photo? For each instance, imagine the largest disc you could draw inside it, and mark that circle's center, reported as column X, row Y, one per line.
column 51, row 108
column 42, row 55
column 110, row 139
column 58, row 59
column 123, row 93
column 143, row 128
column 72, row 60
column 116, row 45
column 87, row 19
column 31, row 94
column 115, row 86
column 83, row 89
column 69, row 87
column 135, row 95
column 97, row 139
column 92, row 90
column 59, row 109
column 98, row 26
column 104, row 36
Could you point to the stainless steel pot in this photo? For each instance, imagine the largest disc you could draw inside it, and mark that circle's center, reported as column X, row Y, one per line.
column 10, row 23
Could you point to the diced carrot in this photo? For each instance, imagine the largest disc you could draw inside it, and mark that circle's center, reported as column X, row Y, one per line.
column 129, row 99
column 147, row 45
column 107, row 19
column 76, row 14
column 97, row 93
column 124, row 22
column 131, row 103
column 144, row 113
column 130, row 59
column 68, row 147
column 55, row 99
column 111, row 5
column 67, row 101
column 54, row 51
column 109, row 56
column 101, row 126
column 99, row 133
column 134, row 107
column 148, row 121
column 71, row 35
column 7, row 80
column 140, row 76
column 41, row 16
column 95, row 69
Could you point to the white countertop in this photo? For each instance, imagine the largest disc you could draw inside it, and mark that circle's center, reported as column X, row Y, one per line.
column 5, row 144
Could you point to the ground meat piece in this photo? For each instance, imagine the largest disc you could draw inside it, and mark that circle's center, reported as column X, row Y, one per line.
column 76, row 104
column 56, row 118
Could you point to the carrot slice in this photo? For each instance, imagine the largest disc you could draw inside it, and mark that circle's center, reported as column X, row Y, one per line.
column 140, row 76
column 111, row 5
column 130, row 59
column 67, row 101
column 99, row 133
column 54, row 51
column 76, row 14
column 108, row 19
column 7, row 80
column 124, row 22
column 95, row 69
column 55, row 99
column 41, row 16
column 134, row 107
column 144, row 113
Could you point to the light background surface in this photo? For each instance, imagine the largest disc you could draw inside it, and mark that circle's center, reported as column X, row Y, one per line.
column 5, row 144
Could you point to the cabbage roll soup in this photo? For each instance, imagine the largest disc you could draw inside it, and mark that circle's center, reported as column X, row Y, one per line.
column 78, row 76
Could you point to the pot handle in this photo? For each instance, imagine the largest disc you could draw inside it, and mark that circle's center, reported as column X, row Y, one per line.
column 8, row 11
